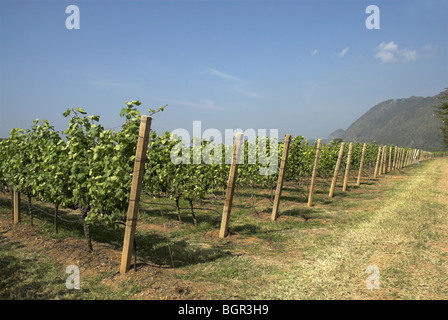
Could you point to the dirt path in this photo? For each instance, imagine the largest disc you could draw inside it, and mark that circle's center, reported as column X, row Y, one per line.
column 405, row 241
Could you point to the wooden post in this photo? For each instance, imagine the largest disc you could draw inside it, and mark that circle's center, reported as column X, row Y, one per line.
column 358, row 183
column 231, row 185
column 380, row 169
column 281, row 175
column 336, row 169
column 347, row 166
column 395, row 159
column 405, row 152
column 313, row 177
column 16, row 202
column 377, row 162
column 384, row 159
column 405, row 158
column 400, row 152
column 390, row 159
column 137, row 178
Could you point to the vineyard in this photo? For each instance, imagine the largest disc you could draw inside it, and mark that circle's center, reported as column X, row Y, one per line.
column 89, row 169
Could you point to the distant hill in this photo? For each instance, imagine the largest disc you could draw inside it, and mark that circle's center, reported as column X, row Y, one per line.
column 407, row 122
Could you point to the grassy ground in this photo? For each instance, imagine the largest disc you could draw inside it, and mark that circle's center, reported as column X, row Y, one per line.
column 397, row 223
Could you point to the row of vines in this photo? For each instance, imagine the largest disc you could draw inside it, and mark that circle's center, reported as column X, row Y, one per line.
column 89, row 167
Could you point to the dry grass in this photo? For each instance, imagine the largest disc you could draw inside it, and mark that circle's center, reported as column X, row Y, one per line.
column 404, row 238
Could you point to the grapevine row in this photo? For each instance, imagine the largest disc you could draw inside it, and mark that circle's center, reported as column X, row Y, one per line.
column 89, row 167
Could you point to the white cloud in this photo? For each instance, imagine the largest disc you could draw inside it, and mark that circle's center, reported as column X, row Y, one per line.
column 389, row 52
column 314, row 52
column 343, row 52
column 386, row 56
column 391, row 46
column 239, row 85
column 409, row 55
column 429, row 50
column 221, row 74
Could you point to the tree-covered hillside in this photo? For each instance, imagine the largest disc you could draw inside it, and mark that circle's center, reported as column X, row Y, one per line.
column 406, row 122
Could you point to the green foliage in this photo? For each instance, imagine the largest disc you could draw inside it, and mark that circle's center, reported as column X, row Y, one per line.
column 300, row 159
column 441, row 112
column 91, row 167
column 87, row 166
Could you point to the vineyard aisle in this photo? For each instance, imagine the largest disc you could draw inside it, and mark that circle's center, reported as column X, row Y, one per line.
column 397, row 224
column 406, row 238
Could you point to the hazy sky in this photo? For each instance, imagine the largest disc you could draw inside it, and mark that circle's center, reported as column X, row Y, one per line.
column 303, row 67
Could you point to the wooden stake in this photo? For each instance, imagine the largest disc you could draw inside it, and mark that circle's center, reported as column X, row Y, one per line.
column 231, row 185
column 408, row 156
column 395, row 159
column 347, row 166
column 380, row 171
column 384, row 158
column 377, row 162
column 358, row 183
column 281, row 175
column 336, row 169
column 16, row 202
column 390, row 159
column 404, row 158
column 313, row 178
column 137, row 178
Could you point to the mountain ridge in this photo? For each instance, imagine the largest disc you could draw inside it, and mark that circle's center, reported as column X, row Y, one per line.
column 406, row 122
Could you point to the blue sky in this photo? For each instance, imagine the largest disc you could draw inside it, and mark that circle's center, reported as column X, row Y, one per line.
column 303, row 67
